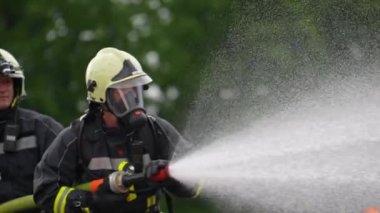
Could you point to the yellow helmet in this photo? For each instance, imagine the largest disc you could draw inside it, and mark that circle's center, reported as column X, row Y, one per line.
column 10, row 67
column 113, row 68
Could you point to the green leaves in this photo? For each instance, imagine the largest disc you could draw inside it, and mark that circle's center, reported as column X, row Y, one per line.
column 54, row 41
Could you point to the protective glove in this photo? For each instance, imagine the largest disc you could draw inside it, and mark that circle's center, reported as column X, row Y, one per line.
column 157, row 171
column 78, row 201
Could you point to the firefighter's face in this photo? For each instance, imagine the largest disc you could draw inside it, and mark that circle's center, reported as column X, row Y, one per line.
column 6, row 91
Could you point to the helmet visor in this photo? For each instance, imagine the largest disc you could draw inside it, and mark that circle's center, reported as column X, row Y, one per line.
column 122, row 100
column 133, row 81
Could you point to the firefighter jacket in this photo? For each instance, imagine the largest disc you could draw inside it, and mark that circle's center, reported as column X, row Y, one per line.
column 87, row 151
column 24, row 136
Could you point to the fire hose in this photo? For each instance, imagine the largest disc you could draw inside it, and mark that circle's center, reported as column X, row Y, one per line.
column 118, row 182
column 26, row 202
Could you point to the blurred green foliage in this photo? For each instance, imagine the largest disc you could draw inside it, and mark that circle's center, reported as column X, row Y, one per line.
column 55, row 40
column 175, row 40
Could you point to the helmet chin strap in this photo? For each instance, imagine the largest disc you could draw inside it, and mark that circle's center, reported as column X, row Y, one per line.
column 14, row 101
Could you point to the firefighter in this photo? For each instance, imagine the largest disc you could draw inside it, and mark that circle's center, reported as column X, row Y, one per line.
column 24, row 134
column 115, row 135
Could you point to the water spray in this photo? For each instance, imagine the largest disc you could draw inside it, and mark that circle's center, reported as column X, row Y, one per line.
column 318, row 153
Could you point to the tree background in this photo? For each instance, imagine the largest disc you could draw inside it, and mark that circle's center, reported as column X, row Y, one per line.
column 54, row 41
column 176, row 42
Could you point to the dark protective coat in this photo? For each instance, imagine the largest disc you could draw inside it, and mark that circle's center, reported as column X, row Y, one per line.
column 69, row 161
column 35, row 133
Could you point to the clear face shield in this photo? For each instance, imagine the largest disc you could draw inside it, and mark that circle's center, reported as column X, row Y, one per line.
column 7, row 69
column 125, row 100
column 122, row 100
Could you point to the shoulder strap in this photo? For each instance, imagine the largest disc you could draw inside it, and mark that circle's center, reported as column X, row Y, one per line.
column 157, row 130
column 152, row 125
column 158, row 135
column 78, row 127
